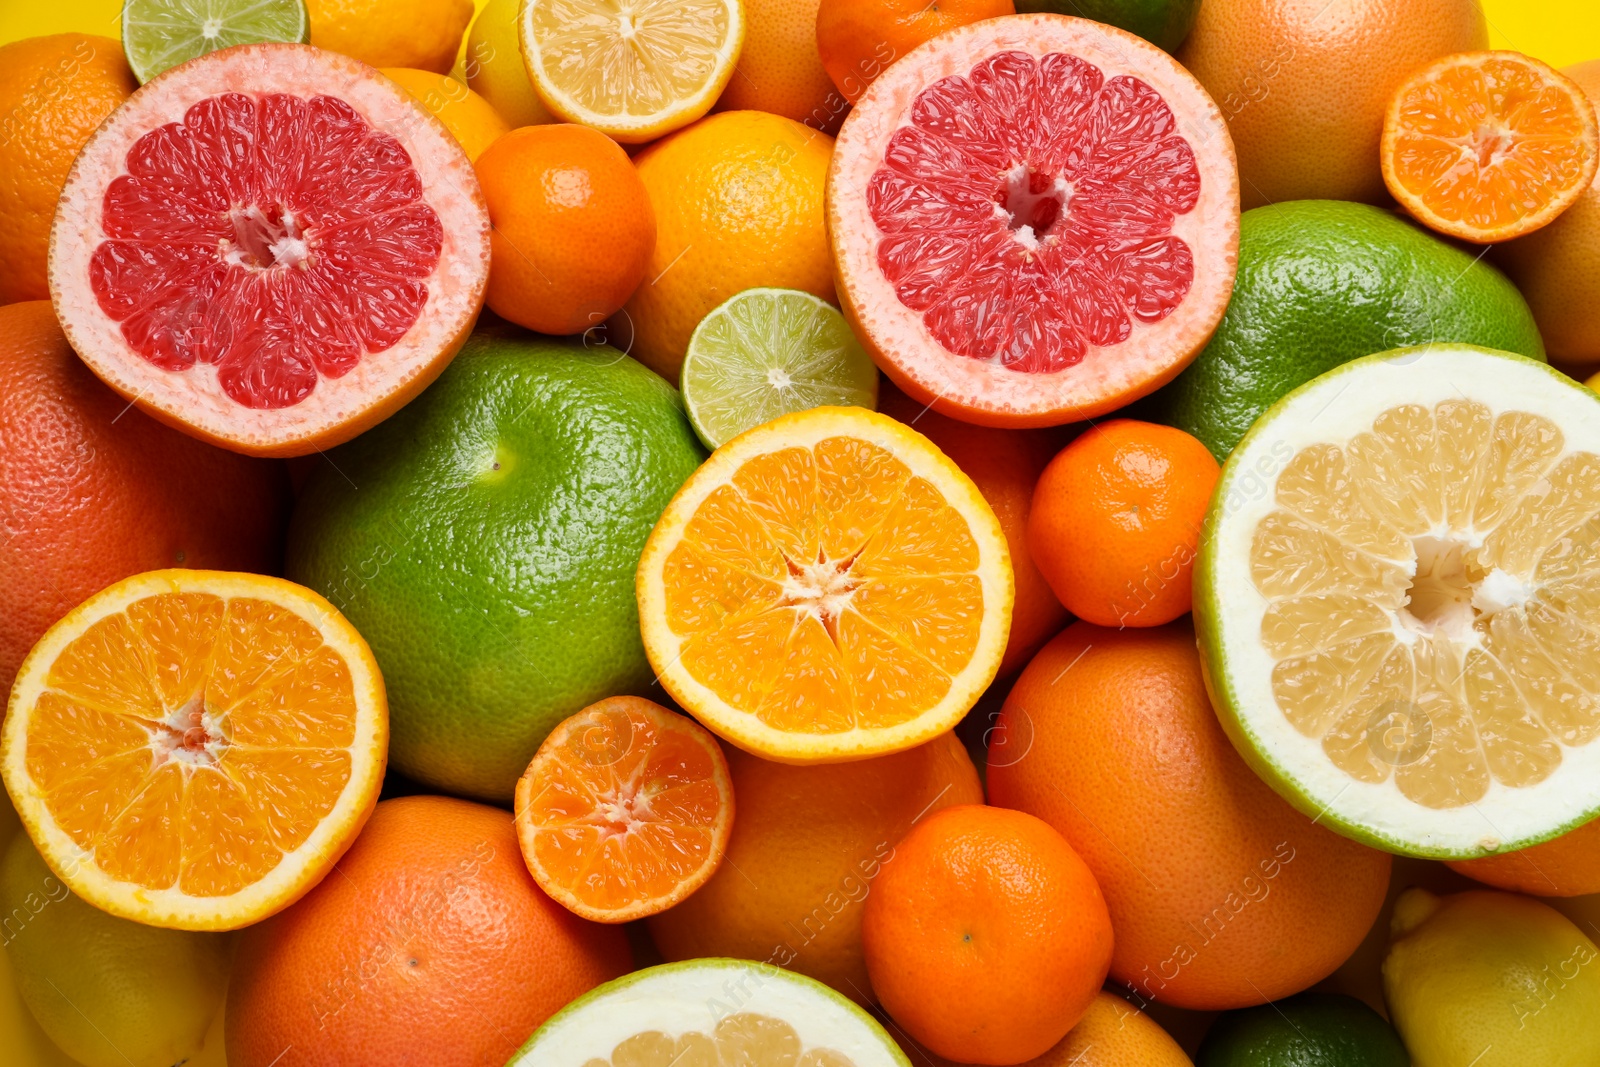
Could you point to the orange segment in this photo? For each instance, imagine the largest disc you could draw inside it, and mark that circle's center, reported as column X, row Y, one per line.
column 1487, row 146
column 625, row 810
column 194, row 748
column 827, row 586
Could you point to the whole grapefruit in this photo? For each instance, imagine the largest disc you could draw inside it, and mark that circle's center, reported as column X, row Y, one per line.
column 430, row 944
column 1221, row 894
column 92, row 490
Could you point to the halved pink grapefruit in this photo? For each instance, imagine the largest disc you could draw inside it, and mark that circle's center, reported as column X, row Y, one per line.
column 271, row 247
column 1035, row 220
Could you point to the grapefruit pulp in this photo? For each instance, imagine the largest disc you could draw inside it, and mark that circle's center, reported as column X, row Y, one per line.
column 271, row 248
column 1035, row 220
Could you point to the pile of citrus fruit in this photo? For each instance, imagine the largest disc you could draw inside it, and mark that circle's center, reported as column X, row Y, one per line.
column 798, row 533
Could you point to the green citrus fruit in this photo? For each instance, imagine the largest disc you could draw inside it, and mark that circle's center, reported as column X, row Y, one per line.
column 1309, row 1030
column 1322, row 282
column 484, row 541
column 1397, row 600
column 1491, row 980
column 157, row 35
column 1164, row 23
column 711, row 1011
column 111, row 992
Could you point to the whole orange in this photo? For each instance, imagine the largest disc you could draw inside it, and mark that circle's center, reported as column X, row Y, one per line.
column 1567, row 866
column 1112, row 1033
column 1116, row 520
column 428, row 944
column 1005, row 465
column 573, row 227
column 1304, row 84
column 54, row 92
column 858, row 39
column 1558, row 267
column 987, row 937
column 779, row 70
column 808, row 843
column 738, row 198
column 92, row 490
column 1221, row 894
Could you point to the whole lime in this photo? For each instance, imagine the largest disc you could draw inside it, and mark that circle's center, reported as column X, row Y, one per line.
column 1322, row 282
column 484, row 541
column 110, row 992
column 1164, row 23
column 1309, row 1030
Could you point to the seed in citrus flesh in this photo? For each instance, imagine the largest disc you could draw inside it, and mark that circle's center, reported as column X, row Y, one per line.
column 826, row 586
column 1398, row 603
column 625, row 810
column 1487, row 146
column 1035, row 219
column 272, row 248
column 195, row 749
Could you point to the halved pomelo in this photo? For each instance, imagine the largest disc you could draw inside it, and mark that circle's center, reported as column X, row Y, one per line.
column 711, row 1013
column 1398, row 600
column 271, row 247
column 1035, row 220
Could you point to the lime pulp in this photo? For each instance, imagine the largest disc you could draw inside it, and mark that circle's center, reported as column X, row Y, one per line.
column 157, row 35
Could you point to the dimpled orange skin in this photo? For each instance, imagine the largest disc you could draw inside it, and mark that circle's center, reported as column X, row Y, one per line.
column 1005, row 465
column 1222, row 895
column 779, row 70
column 54, row 92
column 1304, row 84
column 1116, row 520
column 93, row 491
column 1558, row 267
column 808, row 844
column 429, row 943
column 738, row 198
column 858, row 39
column 986, row 937
column 1567, row 866
column 573, row 227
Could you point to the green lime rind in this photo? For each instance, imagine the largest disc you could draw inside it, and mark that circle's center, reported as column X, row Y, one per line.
column 1164, row 23
column 158, row 35
column 1208, row 623
column 1325, row 1029
column 769, row 352
column 737, row 990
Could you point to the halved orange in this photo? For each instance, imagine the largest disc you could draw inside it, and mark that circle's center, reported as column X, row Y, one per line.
column 1487, row 146
column 625, row 810
column 194, row 749
column 827, row 586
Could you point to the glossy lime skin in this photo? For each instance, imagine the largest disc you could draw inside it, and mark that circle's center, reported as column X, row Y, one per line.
column 1309, row 1030
column 484, row 541
column 1164, row 23
column 1322, row 282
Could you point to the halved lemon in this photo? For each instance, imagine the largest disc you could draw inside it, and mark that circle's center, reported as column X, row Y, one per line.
column 195, row 749
column 1398, row 600
column 632, row 69
column 827, row 586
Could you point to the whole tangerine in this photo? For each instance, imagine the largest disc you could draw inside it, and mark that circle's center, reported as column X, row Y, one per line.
column 858, row 39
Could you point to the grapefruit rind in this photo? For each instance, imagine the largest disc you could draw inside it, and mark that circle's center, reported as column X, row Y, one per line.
column 805, row 429
column 695, row 995
column 299, row 870
column 976, row 390
column 1228, row 610
column 340, row 408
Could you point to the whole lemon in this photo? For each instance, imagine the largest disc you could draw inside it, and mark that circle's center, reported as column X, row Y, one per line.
column 1491, row 980
column 494, row 68
column 425, row 34
column 738, row 199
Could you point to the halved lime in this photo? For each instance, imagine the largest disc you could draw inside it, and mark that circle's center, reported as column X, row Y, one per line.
column 1398, row 600
column 770, row 352
column 711, row 1011
column 157, row 35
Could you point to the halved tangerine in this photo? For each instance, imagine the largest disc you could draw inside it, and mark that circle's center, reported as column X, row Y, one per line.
column 827, row 586
column 625, row 810
column 1487, row 146
column 271, row 247
column 1035, row 220
column 195, row 749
